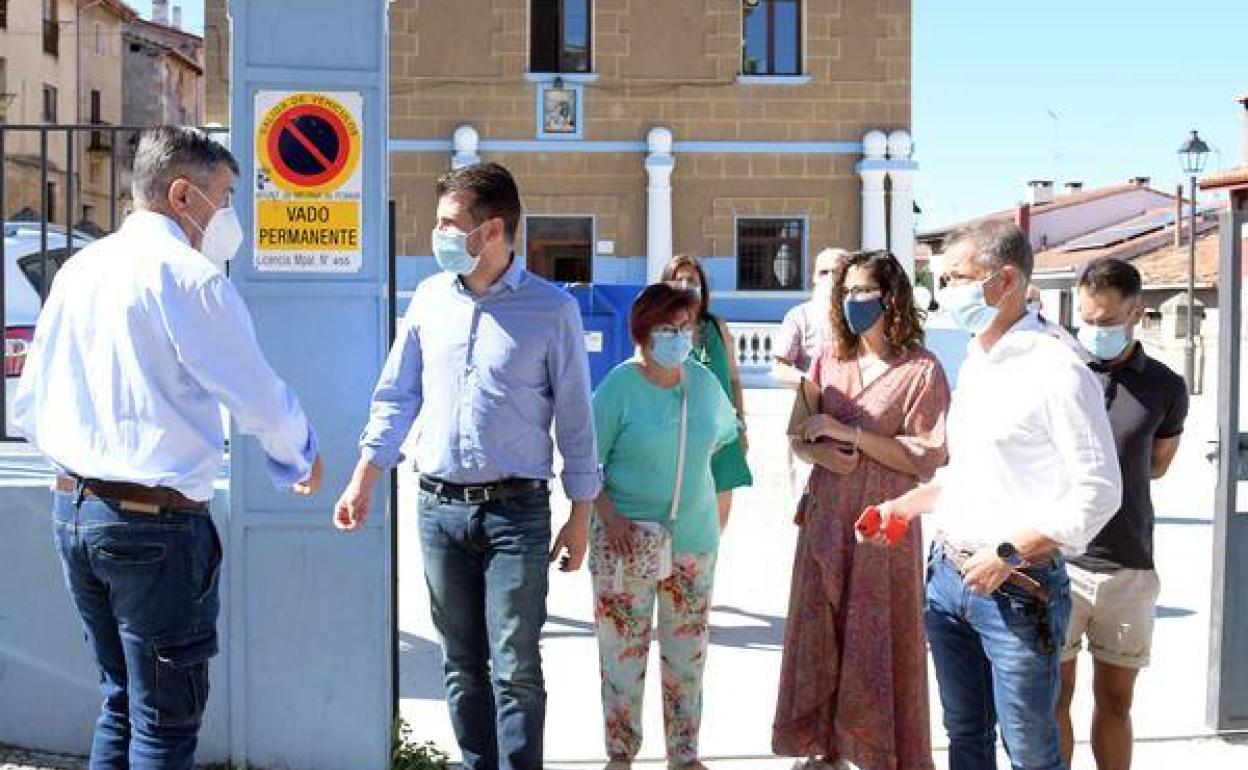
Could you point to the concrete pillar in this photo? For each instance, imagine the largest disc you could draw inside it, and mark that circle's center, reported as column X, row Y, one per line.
column 659, row 166
column 873, row 168
column 901, row 224
column 466, row 142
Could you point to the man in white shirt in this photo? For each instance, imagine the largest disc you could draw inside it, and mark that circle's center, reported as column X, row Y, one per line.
column 141, row 341
column 1032, row 476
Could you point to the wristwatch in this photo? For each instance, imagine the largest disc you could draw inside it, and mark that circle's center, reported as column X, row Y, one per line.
column 1007, row 553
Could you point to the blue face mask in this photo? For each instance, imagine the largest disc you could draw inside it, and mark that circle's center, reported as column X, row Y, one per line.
column 966, row 305
column 861, row 314
column 670, row 349
column 1104, row 342
column 450, row 249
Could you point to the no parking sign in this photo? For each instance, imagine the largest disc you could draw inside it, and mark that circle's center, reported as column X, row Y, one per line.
column 308, row 186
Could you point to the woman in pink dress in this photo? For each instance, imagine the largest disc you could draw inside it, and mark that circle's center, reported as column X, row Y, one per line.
column 853, row 683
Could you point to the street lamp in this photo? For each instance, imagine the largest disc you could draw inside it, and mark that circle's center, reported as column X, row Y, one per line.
column 1192, row 155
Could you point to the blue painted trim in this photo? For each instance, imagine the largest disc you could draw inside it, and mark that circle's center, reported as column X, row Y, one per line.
column 763, row 148
column 421, row 145
column 886, row 165
column 549, row 145
column 539, row 105
column 568, row 77
column 581, row 145
column 773, row 80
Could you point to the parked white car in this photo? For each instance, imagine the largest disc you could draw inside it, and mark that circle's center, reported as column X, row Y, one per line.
column 24, row 282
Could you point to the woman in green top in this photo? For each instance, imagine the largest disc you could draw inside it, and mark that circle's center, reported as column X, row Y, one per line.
column 638, row 412
column 713, row 348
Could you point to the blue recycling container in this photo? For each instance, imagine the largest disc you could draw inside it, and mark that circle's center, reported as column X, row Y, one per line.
column 604, row 313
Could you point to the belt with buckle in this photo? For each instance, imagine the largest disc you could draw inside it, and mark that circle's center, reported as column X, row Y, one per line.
column 958, row 554
column 476, row 494
column 132, row 498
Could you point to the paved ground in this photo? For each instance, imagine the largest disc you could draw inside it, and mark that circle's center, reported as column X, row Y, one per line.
column 750, row 605
column 751, row 598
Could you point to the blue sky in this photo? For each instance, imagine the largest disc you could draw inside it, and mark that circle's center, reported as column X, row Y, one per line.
column 192, row 12
column 1126, row 80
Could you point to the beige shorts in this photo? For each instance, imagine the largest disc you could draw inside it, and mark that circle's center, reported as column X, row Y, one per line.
column 1114, row 610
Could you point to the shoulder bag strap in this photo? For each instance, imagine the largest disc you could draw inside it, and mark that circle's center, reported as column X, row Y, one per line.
column 680, row 457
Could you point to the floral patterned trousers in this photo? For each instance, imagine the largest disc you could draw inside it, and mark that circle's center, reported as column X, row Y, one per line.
column 624, row 622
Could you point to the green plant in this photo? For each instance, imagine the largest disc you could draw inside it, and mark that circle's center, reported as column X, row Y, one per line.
column 923, row 277
column 406, row 754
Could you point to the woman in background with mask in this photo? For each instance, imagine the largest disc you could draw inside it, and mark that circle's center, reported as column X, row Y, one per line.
column 645, row 411
column 853, row 681
column 713, row 348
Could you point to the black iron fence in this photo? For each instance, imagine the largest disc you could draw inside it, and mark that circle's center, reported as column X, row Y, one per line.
column 85, row 167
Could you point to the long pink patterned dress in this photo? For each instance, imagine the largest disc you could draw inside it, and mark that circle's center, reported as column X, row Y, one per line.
column 853, row 683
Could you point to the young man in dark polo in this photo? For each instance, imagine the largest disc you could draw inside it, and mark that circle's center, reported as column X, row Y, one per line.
column 1114, row 585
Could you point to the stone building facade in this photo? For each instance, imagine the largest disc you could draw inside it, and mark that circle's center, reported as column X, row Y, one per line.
column 750, row 133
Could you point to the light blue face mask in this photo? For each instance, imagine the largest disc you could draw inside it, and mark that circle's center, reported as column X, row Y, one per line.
column 670, row 349
column 966, row 305
column 450, row 249
column 1104, row 342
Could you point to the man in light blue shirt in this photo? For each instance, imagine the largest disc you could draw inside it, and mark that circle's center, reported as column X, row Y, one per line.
column 488, row 356
column 141, row 341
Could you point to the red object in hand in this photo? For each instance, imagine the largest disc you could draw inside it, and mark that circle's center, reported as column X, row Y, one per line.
column 869, row 525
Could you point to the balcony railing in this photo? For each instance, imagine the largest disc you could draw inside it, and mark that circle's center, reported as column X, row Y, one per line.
column 51, row 37
column 756, row 347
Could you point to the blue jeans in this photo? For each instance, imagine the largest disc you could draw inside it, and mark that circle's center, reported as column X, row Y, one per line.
column 996, row 661
column 145, row 586
column 487, row 567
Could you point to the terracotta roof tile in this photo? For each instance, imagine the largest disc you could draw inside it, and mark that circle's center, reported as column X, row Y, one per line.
column 1058, row 203
column 1159, row 261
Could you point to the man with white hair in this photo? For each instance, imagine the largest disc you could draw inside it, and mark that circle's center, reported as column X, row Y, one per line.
column 141, row 341
column 805, row 329
column 1032, row 477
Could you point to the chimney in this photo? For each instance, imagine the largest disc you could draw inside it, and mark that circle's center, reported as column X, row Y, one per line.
column 1041, row 191
column 1022, row 218
column 1243, row 100
column 160, row 11
column 1139, row 181
column 1074, row 187
column 177, row 17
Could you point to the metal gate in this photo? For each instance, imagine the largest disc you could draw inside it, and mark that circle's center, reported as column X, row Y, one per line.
column 61, row 186
column 1227, row 704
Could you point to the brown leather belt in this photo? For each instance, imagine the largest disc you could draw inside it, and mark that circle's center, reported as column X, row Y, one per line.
column 1017, row 578
column 132, row 498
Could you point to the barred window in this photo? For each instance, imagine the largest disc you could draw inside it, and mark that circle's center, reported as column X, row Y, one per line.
column 770, row 254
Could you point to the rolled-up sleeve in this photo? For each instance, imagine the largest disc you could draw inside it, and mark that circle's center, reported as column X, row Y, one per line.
column 396, row 399
column 568, row 370
column 788, row 341
column 216, row 341
column 1082, row 437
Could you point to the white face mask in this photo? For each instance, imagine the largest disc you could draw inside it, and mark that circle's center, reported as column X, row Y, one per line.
column 822, row 292
column 221, row 237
